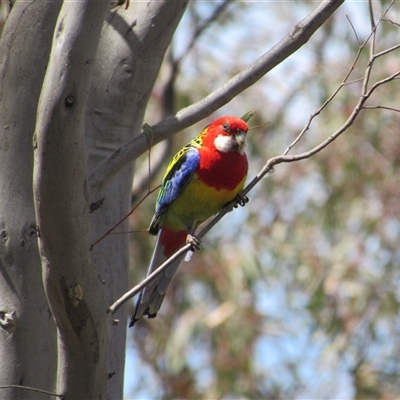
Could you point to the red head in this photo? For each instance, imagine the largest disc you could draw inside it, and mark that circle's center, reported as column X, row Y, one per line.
column 227, row 134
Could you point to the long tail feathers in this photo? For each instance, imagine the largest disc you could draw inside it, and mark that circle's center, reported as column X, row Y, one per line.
column 151, row 297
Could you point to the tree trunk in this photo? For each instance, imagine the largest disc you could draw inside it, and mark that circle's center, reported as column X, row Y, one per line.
column 27, row 334
column 131, row 50
column 73, row 288
column 92, row 101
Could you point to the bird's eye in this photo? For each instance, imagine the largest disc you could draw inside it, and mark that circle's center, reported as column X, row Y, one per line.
column 225, row 126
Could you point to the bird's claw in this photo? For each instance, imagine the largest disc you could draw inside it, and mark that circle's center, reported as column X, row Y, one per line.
column 241, row 200
column 193, row 241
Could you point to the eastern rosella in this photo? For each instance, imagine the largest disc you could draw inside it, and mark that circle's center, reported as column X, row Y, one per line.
column 202, row 177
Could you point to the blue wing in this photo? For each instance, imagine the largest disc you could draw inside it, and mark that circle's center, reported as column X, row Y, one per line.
column 178, row 174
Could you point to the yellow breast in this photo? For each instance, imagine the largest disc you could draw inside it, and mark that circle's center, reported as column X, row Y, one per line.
column 196, row 203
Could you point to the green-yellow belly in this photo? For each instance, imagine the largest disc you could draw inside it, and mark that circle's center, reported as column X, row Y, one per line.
column 196, row 203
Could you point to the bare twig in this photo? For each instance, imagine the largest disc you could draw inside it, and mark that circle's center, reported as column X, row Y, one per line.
column 371, row 50
column 329, row 99
column 386, row 51
column 381, row 108
column 123, row 219
column 345, row 81
column 390, row 21
column 60, row 396
column 354, row 29
column 371, row 16
column 145, row 173
column 134, row 291
column 392, row 77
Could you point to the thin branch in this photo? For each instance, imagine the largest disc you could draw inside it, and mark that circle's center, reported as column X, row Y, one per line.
column 371, row 15
column 331, row 97
column 32, row 390
column 145, row 173
column 134, row 291
column 299, row 35
column 389, row 50
column 381, row 108
column 371, row 49
column 124, row 218
column 392, row 22
column 392, row 77
column 373, row 57
column 354, row 29
column 365, row 79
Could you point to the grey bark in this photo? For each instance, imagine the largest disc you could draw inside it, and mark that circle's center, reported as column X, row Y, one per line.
column 132, row 47
column 73, row 288
column 72, row 134
column 27, row 331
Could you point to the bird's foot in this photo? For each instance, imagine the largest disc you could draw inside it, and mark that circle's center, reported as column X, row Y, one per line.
column 193, row 241
column 240, row 200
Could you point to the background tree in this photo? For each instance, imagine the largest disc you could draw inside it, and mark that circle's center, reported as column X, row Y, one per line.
column 234, row 326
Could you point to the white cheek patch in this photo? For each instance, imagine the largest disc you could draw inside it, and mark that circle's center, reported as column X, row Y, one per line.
column 224, row 143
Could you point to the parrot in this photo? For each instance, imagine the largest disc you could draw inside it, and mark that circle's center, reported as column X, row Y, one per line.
column 205, row 175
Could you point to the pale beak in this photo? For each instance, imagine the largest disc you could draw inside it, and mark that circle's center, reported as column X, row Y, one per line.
column 240, row 138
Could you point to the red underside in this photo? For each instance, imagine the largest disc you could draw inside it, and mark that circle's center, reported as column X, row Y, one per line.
column 172, row 241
